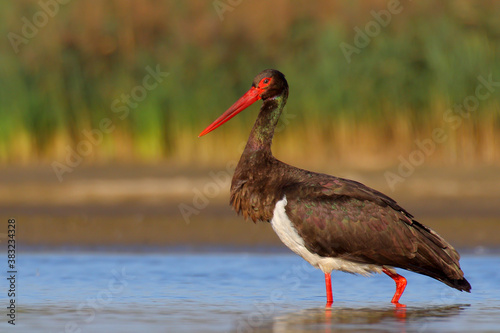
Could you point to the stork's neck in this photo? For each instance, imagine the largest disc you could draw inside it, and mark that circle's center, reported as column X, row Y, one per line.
column 262, row 133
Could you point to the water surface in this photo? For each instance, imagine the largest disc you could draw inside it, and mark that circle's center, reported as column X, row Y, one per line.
column 229, row 291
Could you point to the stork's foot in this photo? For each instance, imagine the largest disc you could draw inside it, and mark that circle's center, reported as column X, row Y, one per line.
column 400, row 311
column 400, row 286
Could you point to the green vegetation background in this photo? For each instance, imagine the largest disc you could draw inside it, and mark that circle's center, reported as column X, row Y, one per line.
column 395, row 91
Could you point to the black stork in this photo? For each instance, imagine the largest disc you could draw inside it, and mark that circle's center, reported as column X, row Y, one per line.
column 333, row 223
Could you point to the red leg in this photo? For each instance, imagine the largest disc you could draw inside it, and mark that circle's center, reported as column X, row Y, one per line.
column 400, row 285
column 329, row 295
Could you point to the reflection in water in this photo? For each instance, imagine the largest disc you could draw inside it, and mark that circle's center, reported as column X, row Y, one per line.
column 394, row 319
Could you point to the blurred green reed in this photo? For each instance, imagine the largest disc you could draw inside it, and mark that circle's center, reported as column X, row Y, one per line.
column 395, row 91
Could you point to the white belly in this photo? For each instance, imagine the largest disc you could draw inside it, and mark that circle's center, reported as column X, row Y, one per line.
column 289, row 236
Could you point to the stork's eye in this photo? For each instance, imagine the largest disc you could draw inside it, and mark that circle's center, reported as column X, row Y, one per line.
column 264, row 82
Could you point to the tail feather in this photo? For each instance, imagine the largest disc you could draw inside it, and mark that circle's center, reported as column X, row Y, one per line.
column 438, row 259
column 462, row 285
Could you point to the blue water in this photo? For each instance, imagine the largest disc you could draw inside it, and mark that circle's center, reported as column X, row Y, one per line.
column 237, row 292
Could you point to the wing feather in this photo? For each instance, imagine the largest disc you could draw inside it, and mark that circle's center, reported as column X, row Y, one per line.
column 346, row 219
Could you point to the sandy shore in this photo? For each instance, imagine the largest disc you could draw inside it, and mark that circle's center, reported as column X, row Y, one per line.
column 170, row 206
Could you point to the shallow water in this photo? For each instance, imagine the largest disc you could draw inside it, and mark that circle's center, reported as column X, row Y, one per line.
column 228, row 291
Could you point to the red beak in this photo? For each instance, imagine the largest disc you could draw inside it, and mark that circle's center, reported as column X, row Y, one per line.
column 250, row 97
